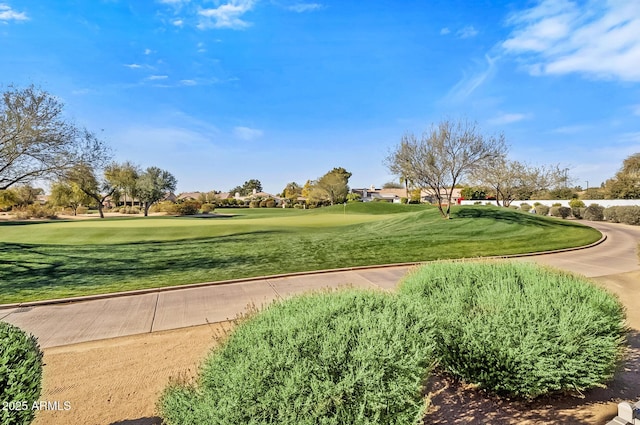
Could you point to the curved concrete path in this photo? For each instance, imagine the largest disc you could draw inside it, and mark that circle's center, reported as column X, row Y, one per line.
column 62, row 324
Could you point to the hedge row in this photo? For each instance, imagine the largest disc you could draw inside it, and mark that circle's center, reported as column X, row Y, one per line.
column 626, row 215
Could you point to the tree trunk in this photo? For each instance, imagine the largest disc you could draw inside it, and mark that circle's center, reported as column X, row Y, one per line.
column 147, row 205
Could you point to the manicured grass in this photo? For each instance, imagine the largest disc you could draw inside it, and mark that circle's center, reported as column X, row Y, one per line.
column 60, row 259
column 519, row 329
column 348, row 357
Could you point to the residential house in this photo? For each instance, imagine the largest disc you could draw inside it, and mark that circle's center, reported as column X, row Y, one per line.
column 395, row 195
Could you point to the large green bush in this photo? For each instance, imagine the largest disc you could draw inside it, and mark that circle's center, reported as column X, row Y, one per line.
column 542, row 209
column 623, row 214
column 188, row 207
column 348, row 357
column 594, row 212
column 562, row 212
column 518, row 329
column 20, row 375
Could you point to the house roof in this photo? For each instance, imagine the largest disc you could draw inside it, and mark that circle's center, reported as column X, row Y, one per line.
column 189, row 195
column 224, row 195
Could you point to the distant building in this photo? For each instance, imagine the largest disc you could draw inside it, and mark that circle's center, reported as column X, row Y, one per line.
column 395, row 195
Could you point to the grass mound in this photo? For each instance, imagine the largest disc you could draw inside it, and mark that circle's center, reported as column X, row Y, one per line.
column 348, row 357
column 518, row 329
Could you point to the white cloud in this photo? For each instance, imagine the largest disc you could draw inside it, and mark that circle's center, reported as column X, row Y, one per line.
column 467, row 32
column 227, row 15
column 188, row 82
column 305, row 7
column 157, row 77
column 445, row 31
column 559, row 37
column 246, row 133
column 571, row 129
column 8, row 14
column 508, row 118
column 468, row 84
column 133, row 65
column 177, row 22
column 147, row 51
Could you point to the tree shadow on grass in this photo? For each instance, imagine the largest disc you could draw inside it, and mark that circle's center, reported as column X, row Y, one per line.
column 453, row 404
column 516, row 217
column 26, row 267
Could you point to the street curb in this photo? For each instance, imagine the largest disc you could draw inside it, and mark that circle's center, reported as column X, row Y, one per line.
column 276, row 276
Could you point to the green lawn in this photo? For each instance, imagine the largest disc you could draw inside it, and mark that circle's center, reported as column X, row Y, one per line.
column 60, row 259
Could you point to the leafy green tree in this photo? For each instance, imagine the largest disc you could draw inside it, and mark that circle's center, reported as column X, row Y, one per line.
column 563, row 193
column 238, row 189
column 95, row 186
column 152, row 186
column 626, row 183
column 292, row 191
column 392, row 185
column 208, row 197
column 8, row 198
column 68, row 195
column 443, row 156
column 250, row 185
column 306, row 189
column 471, row 192
column 247, row 188
column 333, row 187
column 124, row 178
column 27, row 194
column 594, row 193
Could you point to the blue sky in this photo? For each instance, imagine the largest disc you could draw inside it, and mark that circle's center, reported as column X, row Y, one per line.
column 219, row 92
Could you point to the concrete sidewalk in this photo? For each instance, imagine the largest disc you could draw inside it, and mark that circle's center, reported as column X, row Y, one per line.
column 62, row 324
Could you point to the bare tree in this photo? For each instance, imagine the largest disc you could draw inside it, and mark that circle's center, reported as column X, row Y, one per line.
column 514, row 180
column 36, row 141
column 443, row 156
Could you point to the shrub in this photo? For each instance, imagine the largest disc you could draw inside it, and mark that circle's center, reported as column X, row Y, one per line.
column 297, row 206
column 623, row 214
column 556, row 204
column 581, row 212
column 164, row 206
column 270, row 203
column 611, row 214
column 34, row 211
column 188, row 208
column 404, row 200
column 576, row 207
column 519, row 329
column 594, row 212
column 525, row 207
column 563, row 212
column 20, row 374
column 576, row 203
column 514, row 207
column 347, row 357
column 542, row 209
column 82, row 210
column 207, row 208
